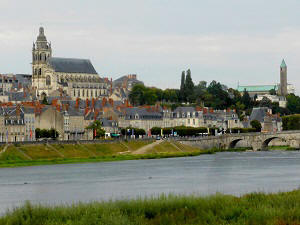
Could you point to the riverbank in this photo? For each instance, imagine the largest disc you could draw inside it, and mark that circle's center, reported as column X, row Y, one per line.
column 15, row 155
column 254, row 209
column 49, row 154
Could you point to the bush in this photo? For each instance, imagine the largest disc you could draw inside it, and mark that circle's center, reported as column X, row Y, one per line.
column 256, row 124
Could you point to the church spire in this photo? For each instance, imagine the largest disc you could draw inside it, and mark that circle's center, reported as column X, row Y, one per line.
column 283, row 65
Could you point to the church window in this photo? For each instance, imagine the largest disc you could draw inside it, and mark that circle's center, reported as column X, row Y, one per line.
column 83, row 92
column 35, row 72
column 87, row 93
column 74, row 93
column 79, row 93
column 40, row 56
column 48, row 80
column 40, row 71
column 92, row 94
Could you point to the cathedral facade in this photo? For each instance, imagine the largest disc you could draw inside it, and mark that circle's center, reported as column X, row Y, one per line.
column 76, row 78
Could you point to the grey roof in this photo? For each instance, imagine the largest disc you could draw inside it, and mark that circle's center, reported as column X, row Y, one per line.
column 69, row 65
column 142, row 113
column 184, row 109
column 258, row 114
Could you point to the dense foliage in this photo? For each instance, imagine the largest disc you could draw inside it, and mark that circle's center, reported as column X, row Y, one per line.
column 136, row 131
column 256, row 125
column 180, row 131
column 98, row 131
column 291, row 122
column 44, row 133
column 250, row 209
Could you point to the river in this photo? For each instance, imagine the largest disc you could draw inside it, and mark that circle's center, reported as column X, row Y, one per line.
column 230, row 173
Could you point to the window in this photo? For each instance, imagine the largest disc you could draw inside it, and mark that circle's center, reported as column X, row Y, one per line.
column 48, row 80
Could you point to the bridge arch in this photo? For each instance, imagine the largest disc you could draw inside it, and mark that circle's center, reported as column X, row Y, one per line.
column 266, row 142
column 233, row 143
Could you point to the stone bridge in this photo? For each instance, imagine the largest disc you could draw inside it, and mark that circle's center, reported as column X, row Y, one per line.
column 257, row 141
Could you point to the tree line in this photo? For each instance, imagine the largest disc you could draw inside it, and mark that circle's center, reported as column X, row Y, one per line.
column 214, row 94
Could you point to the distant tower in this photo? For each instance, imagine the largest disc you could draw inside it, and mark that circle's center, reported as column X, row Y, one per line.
column 283, row 79
column 41, row 51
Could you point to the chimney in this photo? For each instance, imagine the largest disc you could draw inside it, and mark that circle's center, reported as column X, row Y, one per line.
column 93, row 103
column 110, row 86
column 104, row 101
column 111, row 102
column 77, row 103
column 18, row 111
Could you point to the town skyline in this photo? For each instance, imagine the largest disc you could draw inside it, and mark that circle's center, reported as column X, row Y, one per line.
column 157, row 55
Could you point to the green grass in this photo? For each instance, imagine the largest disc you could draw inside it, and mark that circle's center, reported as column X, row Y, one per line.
column 282, row 148
column 250, row 209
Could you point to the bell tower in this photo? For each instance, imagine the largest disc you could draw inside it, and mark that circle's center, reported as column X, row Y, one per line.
column 41, row 51
column 283, row 79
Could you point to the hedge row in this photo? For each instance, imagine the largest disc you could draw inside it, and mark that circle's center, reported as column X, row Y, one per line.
column 291, row 122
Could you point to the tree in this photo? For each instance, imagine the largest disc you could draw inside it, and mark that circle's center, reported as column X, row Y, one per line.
column 272, row 92
column 293, row 103
column 53, row 133
column 97, row 129
column 200, row 91
column 182, row 87
column 265, row 102
column 189, row 87
column 45, row 101
column 246, row 100
column 219, row 98
column 256, row 124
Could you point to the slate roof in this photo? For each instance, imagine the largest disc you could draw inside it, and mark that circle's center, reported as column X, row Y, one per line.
column 70, row 65
column 258, row 114
column 130, row 113
column 181, row 109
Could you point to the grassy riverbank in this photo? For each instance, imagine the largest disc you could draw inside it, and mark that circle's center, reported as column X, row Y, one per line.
column 49, row 154
column 46, row 154
column 254, row 209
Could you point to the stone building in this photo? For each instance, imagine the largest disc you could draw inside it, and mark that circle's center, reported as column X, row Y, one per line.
column 74, row 77
column 17, row 124
column 269, row 122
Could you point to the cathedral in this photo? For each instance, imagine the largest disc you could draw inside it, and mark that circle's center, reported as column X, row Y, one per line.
column 76, row 78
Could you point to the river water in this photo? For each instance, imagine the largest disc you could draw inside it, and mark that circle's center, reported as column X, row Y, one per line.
column 230, row 173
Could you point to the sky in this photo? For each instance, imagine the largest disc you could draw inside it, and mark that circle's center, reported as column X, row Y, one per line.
column 231, row 41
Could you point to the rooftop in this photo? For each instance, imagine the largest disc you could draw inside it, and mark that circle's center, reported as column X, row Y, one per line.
column 71, row 65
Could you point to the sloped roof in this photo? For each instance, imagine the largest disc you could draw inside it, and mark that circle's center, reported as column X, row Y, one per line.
column 283, row 65
column 70, row 65
column 258, row 114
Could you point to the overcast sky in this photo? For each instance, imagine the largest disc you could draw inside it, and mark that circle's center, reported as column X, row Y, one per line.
column 229, row 41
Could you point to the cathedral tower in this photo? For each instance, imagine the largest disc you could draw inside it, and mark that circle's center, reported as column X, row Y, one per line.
column 283, row 79
column 41, row 51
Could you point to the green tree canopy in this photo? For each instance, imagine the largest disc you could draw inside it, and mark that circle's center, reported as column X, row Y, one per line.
column 256, row 124
column 96, row 126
